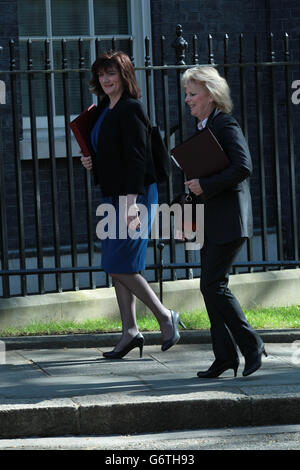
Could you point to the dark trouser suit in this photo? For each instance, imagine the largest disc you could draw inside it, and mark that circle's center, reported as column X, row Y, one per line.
column 229, row 326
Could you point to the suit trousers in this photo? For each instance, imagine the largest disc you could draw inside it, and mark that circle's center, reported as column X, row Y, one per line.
column 229, row 326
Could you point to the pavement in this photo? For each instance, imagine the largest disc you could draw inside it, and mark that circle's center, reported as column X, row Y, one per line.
column 61, row 385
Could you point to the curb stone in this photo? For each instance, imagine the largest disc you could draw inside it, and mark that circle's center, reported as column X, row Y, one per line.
column 91, row 340
column 64, row 417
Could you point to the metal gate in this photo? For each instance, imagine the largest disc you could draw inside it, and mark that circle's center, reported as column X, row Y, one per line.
column 47, row 201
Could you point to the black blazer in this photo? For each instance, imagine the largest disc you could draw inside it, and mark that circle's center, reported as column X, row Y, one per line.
column 226, row 194
column 123, row 162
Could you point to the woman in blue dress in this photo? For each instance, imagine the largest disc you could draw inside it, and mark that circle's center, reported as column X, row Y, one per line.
column 122, row 165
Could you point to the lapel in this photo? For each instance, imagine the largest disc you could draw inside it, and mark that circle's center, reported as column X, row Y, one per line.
column 93, row 120
column 110, row 124
column 212, row 116
column 100, row 108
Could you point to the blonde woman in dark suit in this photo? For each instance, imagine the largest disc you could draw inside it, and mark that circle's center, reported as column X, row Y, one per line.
column 227, row 222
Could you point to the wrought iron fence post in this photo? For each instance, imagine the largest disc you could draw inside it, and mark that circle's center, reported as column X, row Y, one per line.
column 181, row 45
column 261, row 153
column 294, row 244
column 2, row 87
column 17, row 158
column 161, row 246
column 35, row 163
column 70, row 171
column 53, row 163
column 167, row 128
column 276, row 161
column 3, row 219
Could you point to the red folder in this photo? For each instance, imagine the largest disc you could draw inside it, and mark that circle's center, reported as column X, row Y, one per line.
column 81, row 127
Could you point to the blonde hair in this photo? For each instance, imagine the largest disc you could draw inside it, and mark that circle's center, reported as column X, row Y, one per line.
column 216, row 85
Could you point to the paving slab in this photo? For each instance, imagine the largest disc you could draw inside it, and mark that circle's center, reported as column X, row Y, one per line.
column 51, row 392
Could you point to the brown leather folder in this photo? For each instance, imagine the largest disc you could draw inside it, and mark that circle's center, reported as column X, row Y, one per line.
column 200, row 155
column 81, row 128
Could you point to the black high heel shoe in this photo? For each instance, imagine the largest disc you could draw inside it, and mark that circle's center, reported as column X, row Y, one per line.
column 176, row 336
column 137, row 342
column 253, row 361
column 217, row 368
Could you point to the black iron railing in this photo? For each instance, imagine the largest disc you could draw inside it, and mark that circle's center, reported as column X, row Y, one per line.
column 261, row 90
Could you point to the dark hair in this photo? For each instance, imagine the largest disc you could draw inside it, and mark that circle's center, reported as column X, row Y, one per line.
column 123, row 64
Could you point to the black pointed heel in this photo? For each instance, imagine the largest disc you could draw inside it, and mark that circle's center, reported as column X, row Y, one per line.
column 253, row 361
column 217, row 368
column 176, row 336
column 137, row 342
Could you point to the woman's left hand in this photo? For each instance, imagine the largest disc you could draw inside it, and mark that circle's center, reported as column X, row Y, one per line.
column 194, row 186
column 133, row 220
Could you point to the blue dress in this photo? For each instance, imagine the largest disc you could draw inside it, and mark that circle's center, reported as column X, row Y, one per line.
column 124, row 250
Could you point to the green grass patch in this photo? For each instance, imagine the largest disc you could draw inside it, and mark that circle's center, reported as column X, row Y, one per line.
column 260, row 318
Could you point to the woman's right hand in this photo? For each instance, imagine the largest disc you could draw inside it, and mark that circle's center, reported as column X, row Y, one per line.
column 87, row 162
